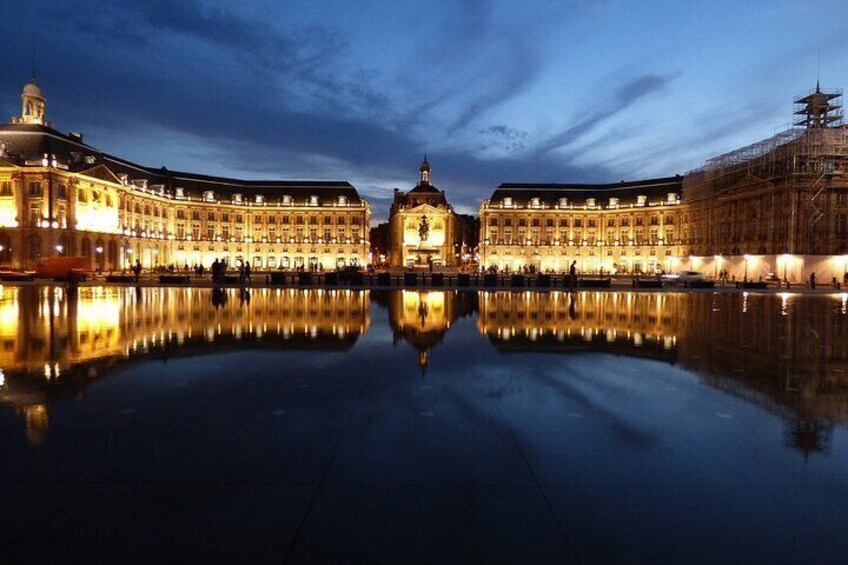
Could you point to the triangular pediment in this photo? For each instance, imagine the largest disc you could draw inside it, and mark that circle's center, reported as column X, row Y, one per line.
column 101, row 172
column 426, row 209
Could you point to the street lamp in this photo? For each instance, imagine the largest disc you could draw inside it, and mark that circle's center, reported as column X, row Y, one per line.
column 786, row 258
column 59, row 249
column 746, row 257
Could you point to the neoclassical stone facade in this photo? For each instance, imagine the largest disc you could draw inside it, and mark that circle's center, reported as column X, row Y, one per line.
column 60, row 196
column 423, row 227
column 627, row 227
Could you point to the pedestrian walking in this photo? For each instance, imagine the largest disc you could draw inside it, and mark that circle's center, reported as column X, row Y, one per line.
column 137, row 270
column 572, row 274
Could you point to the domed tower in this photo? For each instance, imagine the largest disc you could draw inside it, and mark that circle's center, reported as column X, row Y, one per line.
column 425, row 172
column 32, row 104
column 422, row 226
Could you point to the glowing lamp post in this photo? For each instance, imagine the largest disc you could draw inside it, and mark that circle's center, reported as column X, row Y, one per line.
column 747, row 258
column 59, row 249
column 99, row 251
column 786, row 258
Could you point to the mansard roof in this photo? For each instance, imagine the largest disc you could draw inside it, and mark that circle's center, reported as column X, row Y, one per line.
column 550, row 194
column 30, row 142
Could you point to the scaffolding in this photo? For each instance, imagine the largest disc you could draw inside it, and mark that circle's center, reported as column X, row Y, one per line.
column 774, row 196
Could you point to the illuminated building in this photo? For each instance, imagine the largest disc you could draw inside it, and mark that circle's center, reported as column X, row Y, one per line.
column 779, row 205
column 423, row 227
column 624, row 227
column 59, row 196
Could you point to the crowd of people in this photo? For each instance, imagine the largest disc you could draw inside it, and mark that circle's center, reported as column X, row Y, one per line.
column 219, row 269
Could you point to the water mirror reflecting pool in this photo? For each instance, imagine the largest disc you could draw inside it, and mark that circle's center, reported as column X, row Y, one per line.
column 365, row 426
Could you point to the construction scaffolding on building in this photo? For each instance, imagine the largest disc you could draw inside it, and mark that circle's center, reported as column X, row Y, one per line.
column 782, row 195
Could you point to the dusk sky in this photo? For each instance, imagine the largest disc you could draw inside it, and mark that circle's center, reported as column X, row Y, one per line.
column 539, row 91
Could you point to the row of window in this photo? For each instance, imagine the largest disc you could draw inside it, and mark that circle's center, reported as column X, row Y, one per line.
column 258, row 219
column 638, row 239
column 641, row 200
column 579, row 223
column 211, row 233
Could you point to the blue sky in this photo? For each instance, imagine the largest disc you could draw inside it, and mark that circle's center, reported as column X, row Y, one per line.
column 538, row 91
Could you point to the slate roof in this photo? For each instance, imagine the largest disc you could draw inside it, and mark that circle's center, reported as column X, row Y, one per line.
column 26, row 142
column 625, row 191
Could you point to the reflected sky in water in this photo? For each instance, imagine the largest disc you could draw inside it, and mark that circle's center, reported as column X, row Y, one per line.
column 339, row 426
column 786, row 355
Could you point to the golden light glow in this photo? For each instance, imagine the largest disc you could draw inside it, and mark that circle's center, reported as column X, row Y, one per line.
column 8, row 213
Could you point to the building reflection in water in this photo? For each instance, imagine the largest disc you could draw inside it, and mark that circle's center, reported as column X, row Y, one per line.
column 785, row 353
column 53, row 342
column 422, row 318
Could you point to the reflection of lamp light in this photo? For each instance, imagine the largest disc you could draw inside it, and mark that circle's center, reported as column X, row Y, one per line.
column 59, row 248
column 98, row 249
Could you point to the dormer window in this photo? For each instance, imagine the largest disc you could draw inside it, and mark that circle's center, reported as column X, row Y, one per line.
column 209, row 196
column 613, row 202
column 641, row 200
column 237, row 198
column 287, row 200
column 507, row 202
column 563, row 202
column 259, row 199
column 590, row 202
column 342, row 200
column 672, row 197
column 313, row 200
column 535, row 202
column 180, row 192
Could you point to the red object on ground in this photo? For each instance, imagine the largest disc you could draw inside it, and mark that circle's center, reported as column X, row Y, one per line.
column 62, row 266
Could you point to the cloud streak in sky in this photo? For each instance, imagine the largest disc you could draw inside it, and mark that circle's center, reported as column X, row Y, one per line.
column 334, row 90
